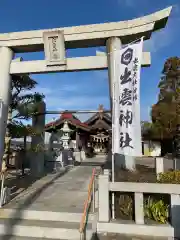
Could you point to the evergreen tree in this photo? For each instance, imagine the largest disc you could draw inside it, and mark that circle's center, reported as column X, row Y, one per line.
column 166, row 112
column 22, row 106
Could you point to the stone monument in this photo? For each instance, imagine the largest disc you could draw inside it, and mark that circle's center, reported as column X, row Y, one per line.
column 66, row 132
column 67, row 153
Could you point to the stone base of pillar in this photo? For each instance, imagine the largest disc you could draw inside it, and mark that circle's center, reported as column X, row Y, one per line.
column 127, row 162
column 77, row 156
column 54, row 166
column 83, row 155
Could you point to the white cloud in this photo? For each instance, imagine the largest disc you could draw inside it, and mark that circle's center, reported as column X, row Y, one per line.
column 44, row 90
column 164, row 37
column 156, row 43
column 159, row 39
column 69, row 88
column 52, row 91
column 131, row 3
column 75, row 102
column 101, row 75
column 84, row 117
column 74, row 92
column 69, row 98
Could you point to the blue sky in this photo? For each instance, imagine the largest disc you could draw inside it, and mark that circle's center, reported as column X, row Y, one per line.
column 86, row 90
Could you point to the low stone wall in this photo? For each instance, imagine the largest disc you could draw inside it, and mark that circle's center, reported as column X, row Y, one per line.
column 105, row 223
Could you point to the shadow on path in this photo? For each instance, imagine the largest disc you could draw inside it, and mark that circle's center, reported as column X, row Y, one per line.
column 28, row 201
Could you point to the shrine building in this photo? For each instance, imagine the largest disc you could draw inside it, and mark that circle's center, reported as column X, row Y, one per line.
column 94, row 135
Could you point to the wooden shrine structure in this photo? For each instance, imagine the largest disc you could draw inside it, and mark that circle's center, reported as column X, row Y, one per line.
column 94, row 133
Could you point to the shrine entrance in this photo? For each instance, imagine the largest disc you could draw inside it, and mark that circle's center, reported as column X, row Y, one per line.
column 55, row 42
column 100, row 143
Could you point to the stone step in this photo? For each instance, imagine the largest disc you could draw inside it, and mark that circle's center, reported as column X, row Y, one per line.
column 23, row 238
column 48, row 224
column 42, row 215
column 41, row 225
column 41, row 229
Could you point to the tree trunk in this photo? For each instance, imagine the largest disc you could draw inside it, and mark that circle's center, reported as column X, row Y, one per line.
column 24, row 155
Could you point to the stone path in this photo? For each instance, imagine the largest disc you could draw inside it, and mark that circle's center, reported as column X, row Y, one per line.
column 66, row 193
column 63, row 193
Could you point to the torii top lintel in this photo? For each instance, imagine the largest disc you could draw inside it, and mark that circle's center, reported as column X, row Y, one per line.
column 90, row 35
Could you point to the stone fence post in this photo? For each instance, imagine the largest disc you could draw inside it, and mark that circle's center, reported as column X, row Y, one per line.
column 159, row 165
column 104, row 197
column 175, row 213
column 37, row 158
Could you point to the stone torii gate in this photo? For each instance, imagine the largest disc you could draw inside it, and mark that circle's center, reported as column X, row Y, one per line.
column 55, row 42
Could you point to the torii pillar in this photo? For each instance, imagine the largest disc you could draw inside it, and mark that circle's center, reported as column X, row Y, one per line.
column 6, row 55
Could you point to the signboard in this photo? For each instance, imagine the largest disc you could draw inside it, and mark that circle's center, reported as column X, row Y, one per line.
column 54, row 48
column 127, row 124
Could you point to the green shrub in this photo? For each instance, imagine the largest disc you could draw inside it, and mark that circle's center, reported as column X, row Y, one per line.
column 126, row 205
column 156, row 210
column 169, row 177
column 155, row 207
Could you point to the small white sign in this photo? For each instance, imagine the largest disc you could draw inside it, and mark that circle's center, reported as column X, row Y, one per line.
column 54, row 47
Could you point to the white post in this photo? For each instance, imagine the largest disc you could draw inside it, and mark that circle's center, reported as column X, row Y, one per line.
column 159, row 165
column 6, row 55
column 139, row 208
column 103, row 207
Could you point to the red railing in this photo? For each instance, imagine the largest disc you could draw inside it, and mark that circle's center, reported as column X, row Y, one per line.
column 87, row 204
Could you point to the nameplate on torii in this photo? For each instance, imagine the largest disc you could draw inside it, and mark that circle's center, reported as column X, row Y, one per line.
column 54, row 48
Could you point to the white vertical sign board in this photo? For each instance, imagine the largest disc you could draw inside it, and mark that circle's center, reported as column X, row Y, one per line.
column 126, row 102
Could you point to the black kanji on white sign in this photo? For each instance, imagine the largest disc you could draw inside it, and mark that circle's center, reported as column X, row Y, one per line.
column 126, row 118
column 126, row 77
column 125, row 140
column 126, row 97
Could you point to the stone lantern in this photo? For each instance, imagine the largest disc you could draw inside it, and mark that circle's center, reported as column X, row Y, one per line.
column 66, row 132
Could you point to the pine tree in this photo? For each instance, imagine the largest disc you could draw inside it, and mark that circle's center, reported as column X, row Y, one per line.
column 19, row 109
